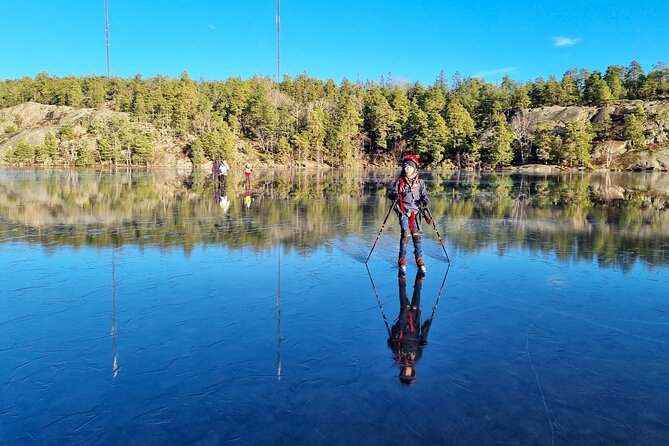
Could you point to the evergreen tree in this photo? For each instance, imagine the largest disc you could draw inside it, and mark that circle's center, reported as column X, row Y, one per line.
column 142, row 150
column 633, row 127
column 596, row 91
column 576, row 145
column 614, row 79
column 604, row 128
column 436, row 138
column 661, row 73
column 344, row 131
column 68, row 92
column 85, row 156
column 260, row 118
column 316, row 131
column 537, row 91
column 469, row 94
column 571, row 94
column 491, row 103
column 520, row 98
column 196, row 153
column 23, row 153
column 94, row 93
column 106, row 150
column 633, row 78
column 461, row 131
column 433, row 100
column 219, row 143
column 139, row 106
column 378, row 117
column 547, row 144
column 441, row 82
column 416, row 129
column 500, row 152
column 399, row 103
column 552, row 94
column 51, row 145
column 41, row 156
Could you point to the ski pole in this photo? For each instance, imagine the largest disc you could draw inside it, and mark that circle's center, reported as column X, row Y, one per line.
column 380, row 231
column 378, row 300
column 441, row 290
column 431, row 217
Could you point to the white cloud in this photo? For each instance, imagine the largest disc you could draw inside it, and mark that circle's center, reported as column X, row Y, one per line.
column 211, row 27
column 495, row 72
column 565, row 41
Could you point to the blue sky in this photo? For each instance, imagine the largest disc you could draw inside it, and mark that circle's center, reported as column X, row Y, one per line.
column 413, row 40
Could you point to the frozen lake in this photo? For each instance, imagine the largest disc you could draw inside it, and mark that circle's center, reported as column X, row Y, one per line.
column 149, row 308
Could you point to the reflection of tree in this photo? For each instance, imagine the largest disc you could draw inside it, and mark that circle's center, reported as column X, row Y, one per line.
column 574, row 215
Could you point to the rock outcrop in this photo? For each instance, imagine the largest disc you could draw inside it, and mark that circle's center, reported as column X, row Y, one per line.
column 614, row 153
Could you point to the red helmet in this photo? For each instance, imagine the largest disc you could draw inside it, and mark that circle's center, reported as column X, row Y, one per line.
column 410, row 158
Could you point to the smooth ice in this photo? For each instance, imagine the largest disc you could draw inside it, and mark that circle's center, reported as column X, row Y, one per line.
column 134, row 309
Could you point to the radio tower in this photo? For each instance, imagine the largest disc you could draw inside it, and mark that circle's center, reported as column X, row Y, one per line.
column 107, row 34
column 278, row 40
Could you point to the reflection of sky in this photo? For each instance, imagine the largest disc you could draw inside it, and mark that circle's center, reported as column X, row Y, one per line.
column 197, row 346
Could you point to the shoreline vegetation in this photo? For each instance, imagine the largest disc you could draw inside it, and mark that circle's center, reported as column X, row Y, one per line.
column 615, row 218
column 616, row 120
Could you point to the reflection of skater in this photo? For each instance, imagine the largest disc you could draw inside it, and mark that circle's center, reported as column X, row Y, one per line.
column 410, row 193
column 247, row 200
column 221, row 195
column 407, row 336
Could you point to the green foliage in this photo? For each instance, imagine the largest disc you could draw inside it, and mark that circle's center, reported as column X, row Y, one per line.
column 66, row 133
column 499, row 152
column 41, row 156
column 415, row 129
column 196, row 152
column 142, row 150
column 576, row 144
column 342, row 138
column 105, row 150
column 520, row 97
column 633, row 127
column 604, row 128
column 461, row 131
column 596, row 90
column 85, row 156
column 614, row 79
column 23, row 153
column 436, row 138
column 51, row 145
column 547, row 143
column 284, row 150
column 219, row 143
column 378, row 119
column 260, row 118
column 320, row 120
column 571, row 94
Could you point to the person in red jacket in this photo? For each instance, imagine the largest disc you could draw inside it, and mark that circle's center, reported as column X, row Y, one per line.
column 409, row 195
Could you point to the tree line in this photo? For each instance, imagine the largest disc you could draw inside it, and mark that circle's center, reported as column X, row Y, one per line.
column 569, row 214
column 461, row 123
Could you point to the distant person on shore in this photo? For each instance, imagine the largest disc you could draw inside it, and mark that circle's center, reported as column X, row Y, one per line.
column 407, row 336
column 214, row 169
column 409, row 194
column 247, row 173
column 223, row 170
